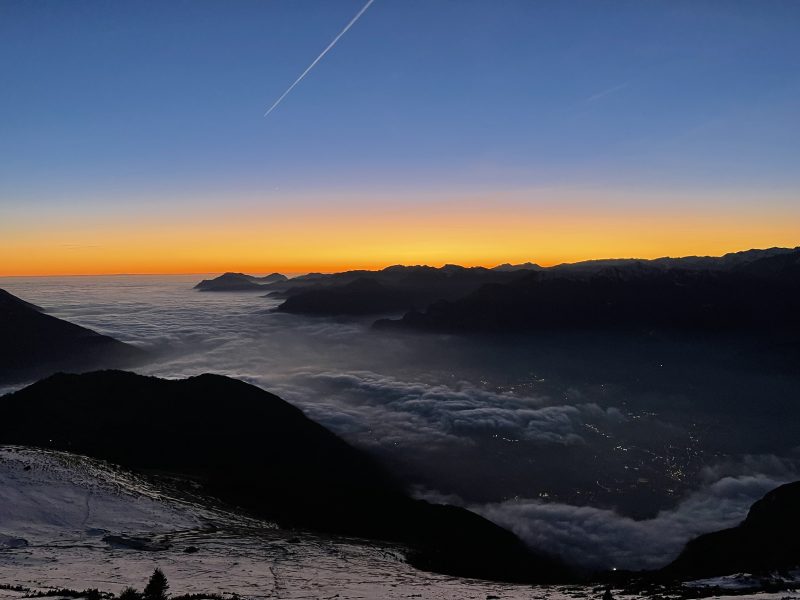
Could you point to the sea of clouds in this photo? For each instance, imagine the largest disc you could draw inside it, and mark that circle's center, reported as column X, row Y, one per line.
column 599, row 462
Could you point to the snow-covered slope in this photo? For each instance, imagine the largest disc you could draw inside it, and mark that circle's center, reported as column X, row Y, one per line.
column 74, row 522
column 49, row 497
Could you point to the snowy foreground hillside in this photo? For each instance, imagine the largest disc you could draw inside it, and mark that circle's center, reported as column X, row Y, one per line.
column 77, row 523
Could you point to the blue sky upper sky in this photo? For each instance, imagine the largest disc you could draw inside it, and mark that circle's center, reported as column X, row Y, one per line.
column 110, row 104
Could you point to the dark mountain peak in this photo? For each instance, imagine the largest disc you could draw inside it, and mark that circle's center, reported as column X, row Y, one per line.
column 450, row 268
column 596, row 263
column 396, row 268
column 9, row 301
column 778, row 264
column 779, row 509
column 265, row 278
column 767, row 540
column 406, row 269
column 527, row 266
column 228, row 282
column 310, row 277
column 272, row 278
column 755, row 254
column 239, row 282
column 33, row 344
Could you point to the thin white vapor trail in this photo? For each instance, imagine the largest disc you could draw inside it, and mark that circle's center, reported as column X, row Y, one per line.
column 607, row 92
column 319, row 58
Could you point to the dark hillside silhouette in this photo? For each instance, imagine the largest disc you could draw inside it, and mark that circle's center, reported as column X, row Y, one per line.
column 33, row 344
column 251, row 449
column 359, row 297
column 396, row 288
column 767, row 540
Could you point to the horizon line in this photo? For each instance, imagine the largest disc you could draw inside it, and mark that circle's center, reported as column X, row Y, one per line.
column 298, row 272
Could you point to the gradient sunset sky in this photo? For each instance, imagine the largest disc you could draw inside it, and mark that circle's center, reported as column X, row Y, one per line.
column 132, row 135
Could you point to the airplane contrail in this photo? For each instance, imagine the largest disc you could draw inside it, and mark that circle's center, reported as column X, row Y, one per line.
column 319, row 58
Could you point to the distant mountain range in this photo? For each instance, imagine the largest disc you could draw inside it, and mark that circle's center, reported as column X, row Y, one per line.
column 393, row 289
column 690, row 292
column 755, row 292
column 34, row 344
column 728, row 261
column 250, row 449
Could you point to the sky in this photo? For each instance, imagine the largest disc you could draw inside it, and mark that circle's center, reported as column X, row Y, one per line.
column 133, row 137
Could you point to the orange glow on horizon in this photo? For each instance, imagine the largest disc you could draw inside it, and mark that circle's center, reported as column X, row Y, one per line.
column 328, row 241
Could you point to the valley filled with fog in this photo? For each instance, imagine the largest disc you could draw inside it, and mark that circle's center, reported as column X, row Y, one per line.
column 611, row 450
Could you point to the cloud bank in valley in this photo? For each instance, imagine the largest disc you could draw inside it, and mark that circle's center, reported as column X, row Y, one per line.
column 598, row 538
column 394, row 411
column 489, row 428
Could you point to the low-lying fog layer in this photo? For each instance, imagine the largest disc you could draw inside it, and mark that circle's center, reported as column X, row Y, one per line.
column 611, row 450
